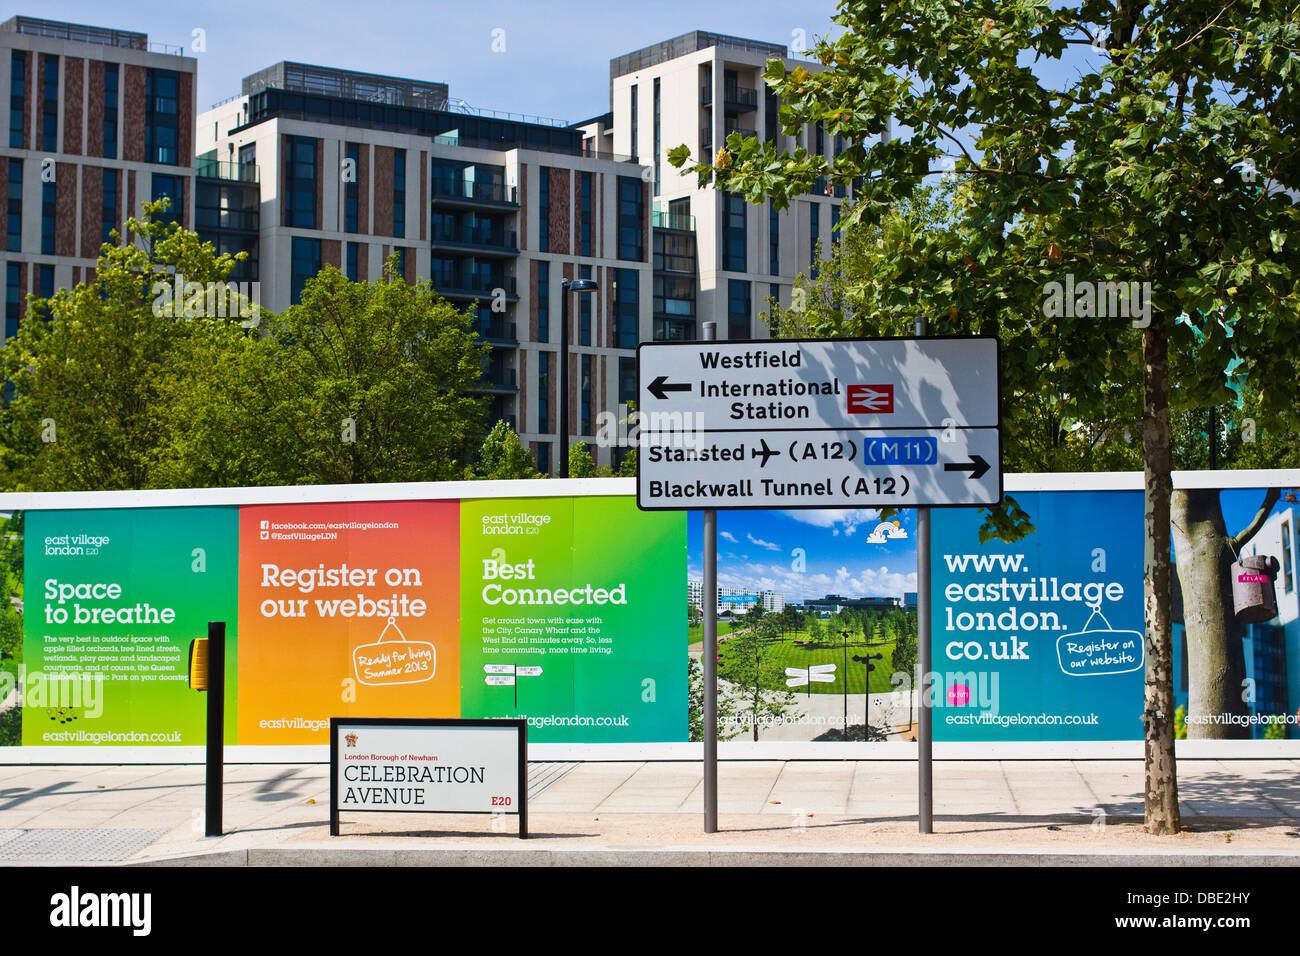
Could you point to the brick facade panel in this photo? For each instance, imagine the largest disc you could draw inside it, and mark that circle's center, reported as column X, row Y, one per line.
column 331, row 253
column 92, row 210
column 185, row 104
column 383, row 191
column 65, row 209
column 131, row 112
column 95, row 109
column 74, row 91
column 557, row 227
column 363, row 189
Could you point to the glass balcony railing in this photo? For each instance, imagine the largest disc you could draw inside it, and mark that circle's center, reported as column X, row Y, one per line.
column 497, row 332
column 464, row 235
column 234, row 172
column 499, row 380
column 451, row 282
column 474, row 191
column 668, row 220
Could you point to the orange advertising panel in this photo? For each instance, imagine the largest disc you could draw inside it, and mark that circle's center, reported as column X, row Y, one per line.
column 346, row 610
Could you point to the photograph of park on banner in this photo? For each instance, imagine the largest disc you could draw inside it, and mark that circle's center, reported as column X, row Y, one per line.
column 816, row 617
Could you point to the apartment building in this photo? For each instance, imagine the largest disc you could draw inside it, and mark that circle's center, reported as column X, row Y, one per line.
column 697, row 89
column 345, row 169
column 100, row 120
column 311, row 166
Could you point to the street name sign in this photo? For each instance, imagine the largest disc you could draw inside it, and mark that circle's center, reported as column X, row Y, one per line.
column 903, row 422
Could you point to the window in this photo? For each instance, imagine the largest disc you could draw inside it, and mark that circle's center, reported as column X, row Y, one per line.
column 584, row 397
column 351, row 263
column 734, row 253
column 351, row 189
column 835, row 221
column 773, row 293
column 399, row 193
column 821, row 139
column 306, row 263
column 544, row 457
column 110, row 111
column 631, row 219
column 50, row 104
column 300, row 182
column 48, row 207
column 584, row 217
column 627, row 311
column 13, row 297
column 584, row 312
column 658, row 145
column 543, row 397
column 44, row 281
column 17, row 95
column 14, row 209
column 626, row 380
column 162, row 117
column 771, row 121
column 814, row 233
column 248, row 155
column 737, row 309
column 635, row 154
column 773, row 240
column 543, row 302
column 171, row 187
column 108, row 217
column 1288, row 576
column 544, row 210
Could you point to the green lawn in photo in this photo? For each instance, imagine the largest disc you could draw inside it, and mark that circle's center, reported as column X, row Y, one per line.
column 786, row 653
column 695, row 632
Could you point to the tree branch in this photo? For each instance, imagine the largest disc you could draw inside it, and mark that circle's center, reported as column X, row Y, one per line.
column 1271, row 497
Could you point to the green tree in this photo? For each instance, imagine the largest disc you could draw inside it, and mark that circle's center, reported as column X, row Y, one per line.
column 727, row 714
column 903, row 661
column 1153, row 165
column 749, row 663
column 502, row 456
column 361, row 382
column 88, row 408
column 581, row 464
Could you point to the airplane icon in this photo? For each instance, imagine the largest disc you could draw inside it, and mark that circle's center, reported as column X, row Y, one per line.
column 765, row 452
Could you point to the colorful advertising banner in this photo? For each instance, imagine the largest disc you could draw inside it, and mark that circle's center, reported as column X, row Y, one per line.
column 1040, row 639
column 572, row 615
column 552, row 609
column 112, row 601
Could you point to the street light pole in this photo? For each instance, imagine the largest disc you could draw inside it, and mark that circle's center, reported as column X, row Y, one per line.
column 567, row 286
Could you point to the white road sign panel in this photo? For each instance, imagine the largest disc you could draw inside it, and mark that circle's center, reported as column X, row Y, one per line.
column 819, row 424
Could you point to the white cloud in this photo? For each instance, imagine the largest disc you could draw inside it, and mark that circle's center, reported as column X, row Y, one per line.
column 729, row 536
column 837, row 519
column 763, row 544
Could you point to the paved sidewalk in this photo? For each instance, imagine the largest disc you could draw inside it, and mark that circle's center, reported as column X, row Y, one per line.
column 775, row 812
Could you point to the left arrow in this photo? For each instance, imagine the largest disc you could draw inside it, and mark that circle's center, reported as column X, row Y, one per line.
column 660, row 387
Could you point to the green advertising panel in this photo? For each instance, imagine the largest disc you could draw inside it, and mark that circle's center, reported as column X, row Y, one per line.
column 572, row 616
column 112, row 599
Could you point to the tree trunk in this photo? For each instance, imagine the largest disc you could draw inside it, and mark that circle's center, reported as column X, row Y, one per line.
column 1158, row 704
column 1216, row 665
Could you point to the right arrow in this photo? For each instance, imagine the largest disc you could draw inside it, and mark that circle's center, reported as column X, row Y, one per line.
column 976, row 466
column 660, row 387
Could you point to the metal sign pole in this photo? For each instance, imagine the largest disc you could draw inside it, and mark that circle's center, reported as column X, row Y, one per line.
column 710, row 652
column 216, row 737
column 924, row 750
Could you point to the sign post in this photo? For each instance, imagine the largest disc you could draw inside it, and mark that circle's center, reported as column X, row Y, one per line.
column 817, row 423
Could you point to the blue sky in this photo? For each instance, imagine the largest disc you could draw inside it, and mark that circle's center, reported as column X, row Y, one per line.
column 556, row 59
column 844, row 552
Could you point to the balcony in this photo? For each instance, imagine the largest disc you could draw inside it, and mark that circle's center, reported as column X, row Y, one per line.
column 498, row 380
column 667, row 220
column 744, row 133
column 739, row 98
column 477, row 239
column 461, row 193
column 706, row 141
column 232, row 172
column 473, row 285
column 497, row 333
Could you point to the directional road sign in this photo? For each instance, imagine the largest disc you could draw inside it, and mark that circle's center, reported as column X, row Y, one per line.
column 907, row 422
column 818, row 674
